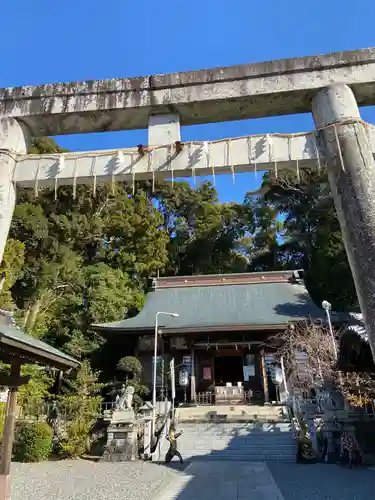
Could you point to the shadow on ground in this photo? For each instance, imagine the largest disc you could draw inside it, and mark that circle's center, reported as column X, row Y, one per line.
column 210, row 476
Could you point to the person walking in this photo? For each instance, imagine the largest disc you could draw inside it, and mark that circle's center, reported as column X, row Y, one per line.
column 172, row 438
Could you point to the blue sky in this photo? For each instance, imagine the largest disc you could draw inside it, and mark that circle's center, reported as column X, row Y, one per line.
column 46, row 42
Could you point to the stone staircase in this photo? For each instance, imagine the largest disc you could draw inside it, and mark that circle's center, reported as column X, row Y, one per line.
column 231, row 413
column 266, row 438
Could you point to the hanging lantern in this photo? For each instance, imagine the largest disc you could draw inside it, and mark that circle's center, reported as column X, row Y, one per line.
column 183, row 378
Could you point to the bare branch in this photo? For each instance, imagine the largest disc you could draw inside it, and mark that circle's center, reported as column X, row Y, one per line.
column 309, row 359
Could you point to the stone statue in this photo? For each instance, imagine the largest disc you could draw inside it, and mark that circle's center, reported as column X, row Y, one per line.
column 124, row 400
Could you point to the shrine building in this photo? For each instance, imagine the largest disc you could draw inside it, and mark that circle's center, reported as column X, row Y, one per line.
column 220, row 334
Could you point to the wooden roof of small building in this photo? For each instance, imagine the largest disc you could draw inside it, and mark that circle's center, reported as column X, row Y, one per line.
column 246, row 301
column 15, row 344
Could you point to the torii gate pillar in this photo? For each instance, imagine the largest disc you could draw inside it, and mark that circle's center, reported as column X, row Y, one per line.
column 351, row 173
column 13, row 139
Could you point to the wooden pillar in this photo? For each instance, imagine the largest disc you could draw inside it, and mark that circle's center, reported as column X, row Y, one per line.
column 192, row 378
column 58, row 382
column 264, row 376
column 9, row 425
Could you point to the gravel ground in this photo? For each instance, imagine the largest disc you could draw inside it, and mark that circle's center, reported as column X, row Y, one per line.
column 85, row 480
column 323, row 482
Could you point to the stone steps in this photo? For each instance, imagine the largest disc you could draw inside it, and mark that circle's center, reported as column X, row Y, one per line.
column 233, row 414
column 248, row 442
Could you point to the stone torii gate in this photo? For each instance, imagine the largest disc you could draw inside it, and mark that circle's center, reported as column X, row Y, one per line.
column 331, row 86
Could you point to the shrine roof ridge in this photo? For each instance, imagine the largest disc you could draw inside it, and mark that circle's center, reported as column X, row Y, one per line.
column 244, row 305
column 227, row 279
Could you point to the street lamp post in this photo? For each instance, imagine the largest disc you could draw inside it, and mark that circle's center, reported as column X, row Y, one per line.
column 172, row 315
column 327, row 307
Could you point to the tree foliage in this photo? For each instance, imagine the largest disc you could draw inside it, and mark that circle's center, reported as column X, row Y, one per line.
column 131, row 366
column 310, row 236
column 80, row 407
column 34, row 442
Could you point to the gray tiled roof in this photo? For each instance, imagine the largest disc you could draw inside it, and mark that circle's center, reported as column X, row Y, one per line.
column 26, row 346
column 229, row 305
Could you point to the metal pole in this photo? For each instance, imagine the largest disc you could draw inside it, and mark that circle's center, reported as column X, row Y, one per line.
column 327, row 307
column 154, row 377
column 284, row 376
column 173, row 385
column 331, row 332
column 162, row 372
column 172, row 315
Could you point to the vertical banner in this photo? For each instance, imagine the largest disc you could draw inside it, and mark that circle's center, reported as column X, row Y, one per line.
column 173, row 380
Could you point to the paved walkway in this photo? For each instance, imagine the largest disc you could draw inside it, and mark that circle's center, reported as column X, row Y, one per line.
column 223, row 481
column 259, row 481
column 215, row 480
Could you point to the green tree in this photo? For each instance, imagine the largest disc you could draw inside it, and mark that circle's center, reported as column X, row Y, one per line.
column 87, row 259
column 10, row 271
column 80, row 406
column 202, row 232
column 311, row 237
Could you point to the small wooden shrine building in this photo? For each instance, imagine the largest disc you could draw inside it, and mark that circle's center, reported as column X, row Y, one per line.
column 16, row 349
column 220, row 334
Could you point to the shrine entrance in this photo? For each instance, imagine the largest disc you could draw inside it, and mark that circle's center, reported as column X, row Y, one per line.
column 228, row 369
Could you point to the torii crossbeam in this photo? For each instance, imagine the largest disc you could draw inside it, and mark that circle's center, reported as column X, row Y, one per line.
column 331, row 86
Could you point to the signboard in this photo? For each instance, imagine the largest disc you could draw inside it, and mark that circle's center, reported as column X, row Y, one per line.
column 173, row 378
column 186, row 361
column 248, row 371
column 178, row 343
column 207, row 373
column 250, row 360
column 183, row 378
column 120, row 435
column 249, row 367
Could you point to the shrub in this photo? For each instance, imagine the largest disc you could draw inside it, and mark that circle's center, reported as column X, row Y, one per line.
column 131, row 366
column 81, row 409
column 34, row 442
column 84, row 411
column 76, row 441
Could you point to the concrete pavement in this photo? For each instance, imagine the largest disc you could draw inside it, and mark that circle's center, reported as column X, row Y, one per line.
column 259, row 481
column 223, row 481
